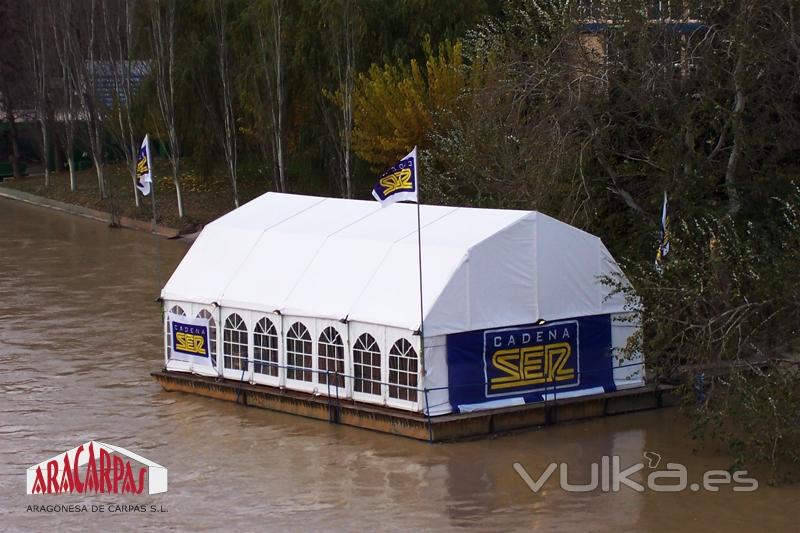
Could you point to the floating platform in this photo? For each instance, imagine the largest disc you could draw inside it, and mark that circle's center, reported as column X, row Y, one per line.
column 417, row 425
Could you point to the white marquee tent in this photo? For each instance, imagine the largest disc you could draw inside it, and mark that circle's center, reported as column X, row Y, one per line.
column 303, row 287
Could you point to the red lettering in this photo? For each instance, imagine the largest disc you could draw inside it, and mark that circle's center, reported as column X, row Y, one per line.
column 66, row 476
column 39, row 485
column 90, row 483
column 52, row 477
column 75, row 475
column 105, row 472
column 119, row 471
column 141, row 480
column 129, row 485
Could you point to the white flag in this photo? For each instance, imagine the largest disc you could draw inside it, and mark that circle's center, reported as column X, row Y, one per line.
column 144, row 172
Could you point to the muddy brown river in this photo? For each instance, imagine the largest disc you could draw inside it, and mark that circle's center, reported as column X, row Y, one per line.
column 80, row 333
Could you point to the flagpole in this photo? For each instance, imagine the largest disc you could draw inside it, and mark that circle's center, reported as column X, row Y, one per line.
column 153, row 203
column 419, row 258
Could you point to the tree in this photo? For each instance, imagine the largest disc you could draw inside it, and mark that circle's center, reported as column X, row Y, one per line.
column 162, row 33
column 121, row 67
column 12, row 75
column 395, row 105
column 84, row 61
column 219, row 18
column 343, row 35
column 270, row 54
column 40, row 48
column 66, row 114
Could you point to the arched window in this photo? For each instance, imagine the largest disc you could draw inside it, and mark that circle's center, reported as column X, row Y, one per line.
column 212, row 334
column 298, row 353
column 403, row 365
column 367, row 365
column 175, row 310
column 265, row 348
column 331, row 358
column 234, row 343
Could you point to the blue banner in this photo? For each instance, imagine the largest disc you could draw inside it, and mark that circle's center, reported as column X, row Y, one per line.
column 189, row 338
column 530, row 361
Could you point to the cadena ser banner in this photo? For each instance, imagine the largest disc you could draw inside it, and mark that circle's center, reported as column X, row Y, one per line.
column 531, row 362
column 189, row 339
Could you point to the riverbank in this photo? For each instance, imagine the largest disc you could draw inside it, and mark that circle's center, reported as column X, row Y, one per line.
column 85, row 212
column 205, row 198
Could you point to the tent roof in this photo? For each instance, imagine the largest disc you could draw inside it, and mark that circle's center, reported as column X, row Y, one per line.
column 337, row 259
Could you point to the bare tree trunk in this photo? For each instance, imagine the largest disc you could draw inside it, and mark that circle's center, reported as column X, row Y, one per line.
column 86, row 82
column 270, row 48
column 39, row 53
column 43, row 124
column 119, row 40
column 734, row 204
column 276, row 35
column 13, row 134
column 163, row 41
column 219, row 10
column 345, row 63
column 62, row 35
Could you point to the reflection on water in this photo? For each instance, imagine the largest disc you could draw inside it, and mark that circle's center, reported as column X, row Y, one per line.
column 80, row 332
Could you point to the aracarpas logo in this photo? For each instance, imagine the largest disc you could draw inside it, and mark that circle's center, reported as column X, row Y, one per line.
column 106, row 472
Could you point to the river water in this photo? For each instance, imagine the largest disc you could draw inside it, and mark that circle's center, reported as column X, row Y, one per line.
column 80, row 333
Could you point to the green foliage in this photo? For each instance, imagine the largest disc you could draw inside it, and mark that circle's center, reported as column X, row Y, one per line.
column 726, row 306
column 398, row 105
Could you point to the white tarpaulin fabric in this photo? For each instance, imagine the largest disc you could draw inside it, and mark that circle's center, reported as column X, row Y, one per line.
column 349, row 259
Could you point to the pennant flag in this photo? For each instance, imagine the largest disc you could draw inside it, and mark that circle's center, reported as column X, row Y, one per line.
column 144, row 173
column 664, row 241
column 399, row 182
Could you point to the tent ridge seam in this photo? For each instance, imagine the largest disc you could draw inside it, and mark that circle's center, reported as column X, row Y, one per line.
column 319, row 248
column 255, row 245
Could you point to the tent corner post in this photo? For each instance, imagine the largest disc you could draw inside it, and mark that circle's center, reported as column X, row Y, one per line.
column 428, row 415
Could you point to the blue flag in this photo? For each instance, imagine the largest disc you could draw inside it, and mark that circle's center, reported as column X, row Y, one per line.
column 399, row 182
column 144, row 172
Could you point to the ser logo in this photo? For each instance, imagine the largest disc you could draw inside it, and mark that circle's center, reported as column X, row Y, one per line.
column 397, row 181
column 530, row 359
column 186, row 342
column 189, row 339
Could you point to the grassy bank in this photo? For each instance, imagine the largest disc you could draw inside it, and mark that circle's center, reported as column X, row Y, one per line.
column 205, row 198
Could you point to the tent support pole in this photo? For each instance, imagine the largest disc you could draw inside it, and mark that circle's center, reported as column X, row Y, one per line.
column 428, row 413
column 422, row 319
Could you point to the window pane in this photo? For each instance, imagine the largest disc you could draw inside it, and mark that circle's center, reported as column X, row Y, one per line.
column 403, row 371
column 299, row 353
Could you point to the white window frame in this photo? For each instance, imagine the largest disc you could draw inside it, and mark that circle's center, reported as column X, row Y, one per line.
column 342, row 330
column 231, row 373
column 310, row 325
column 266, row 379
column 378, row 333
column 413, row 340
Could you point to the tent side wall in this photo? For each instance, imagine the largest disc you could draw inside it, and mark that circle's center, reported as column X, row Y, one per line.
column 494, row 285
column 535, row 362
column 365, row 362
